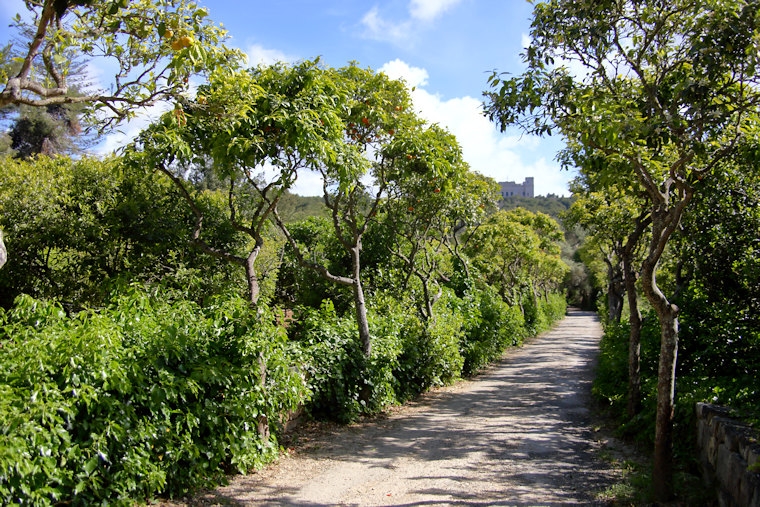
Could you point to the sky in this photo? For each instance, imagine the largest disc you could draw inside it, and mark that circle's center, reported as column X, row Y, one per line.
column 444, row 49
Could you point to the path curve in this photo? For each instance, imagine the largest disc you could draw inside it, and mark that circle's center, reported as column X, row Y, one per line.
column 519, row 434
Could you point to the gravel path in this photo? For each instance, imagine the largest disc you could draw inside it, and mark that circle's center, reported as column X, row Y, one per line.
column 519, row 434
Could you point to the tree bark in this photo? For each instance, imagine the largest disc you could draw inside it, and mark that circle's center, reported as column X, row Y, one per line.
column 634, row 340
column 666, row 381
column 360, row 305
column 634, row 319
column 664, row 221
column 615, row 289
column 254, row 288
column 3, row 251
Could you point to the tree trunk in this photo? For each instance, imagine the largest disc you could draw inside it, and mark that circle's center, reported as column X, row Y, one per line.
column 627, row 255
column 666, row 381
column 254, row 289
column 663, row 225
column 360, row 305
column 3, row 251
column 634, row 340
column 615, row 289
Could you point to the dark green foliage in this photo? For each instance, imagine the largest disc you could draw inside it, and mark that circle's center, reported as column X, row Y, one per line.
column 490, row 327
column 74, row 229
column 431, row 355
column 334, row 361
column 144, row 397
column 297, row 285
column 611, row 382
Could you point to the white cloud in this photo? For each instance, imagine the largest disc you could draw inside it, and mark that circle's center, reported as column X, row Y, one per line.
column 488, row 151
column 413, row 76
column 421, row 12
column 381, row 29
column 427, row 10
column 259, row 55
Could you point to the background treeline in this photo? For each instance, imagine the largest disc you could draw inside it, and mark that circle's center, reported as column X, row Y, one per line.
column 133, row 362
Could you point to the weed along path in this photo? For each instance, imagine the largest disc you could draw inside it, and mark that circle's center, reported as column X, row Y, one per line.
column 519, row 434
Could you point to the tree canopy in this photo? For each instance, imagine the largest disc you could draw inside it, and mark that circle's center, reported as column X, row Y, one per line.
column 154, row 47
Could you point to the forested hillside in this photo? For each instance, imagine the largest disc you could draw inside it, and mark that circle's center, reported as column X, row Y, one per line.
column 552, row 205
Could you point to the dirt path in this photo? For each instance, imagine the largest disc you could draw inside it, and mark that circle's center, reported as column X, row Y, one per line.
column 520, row 434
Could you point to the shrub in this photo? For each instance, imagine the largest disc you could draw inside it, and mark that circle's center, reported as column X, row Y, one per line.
column 333, row 362
column 145, row 397
column 430, row 355
column 490, row 327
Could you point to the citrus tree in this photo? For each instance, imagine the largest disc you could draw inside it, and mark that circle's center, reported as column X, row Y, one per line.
column 154, row 47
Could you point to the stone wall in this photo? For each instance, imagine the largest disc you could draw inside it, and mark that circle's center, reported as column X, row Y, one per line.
column 727, row 448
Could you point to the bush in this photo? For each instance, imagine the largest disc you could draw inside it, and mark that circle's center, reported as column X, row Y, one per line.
column 145, row 397
column 490, row 327
column 430, row 355
column 333, row 362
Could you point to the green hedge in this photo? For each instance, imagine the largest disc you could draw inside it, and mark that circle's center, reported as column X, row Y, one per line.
column 156, row 396
column 145, row 397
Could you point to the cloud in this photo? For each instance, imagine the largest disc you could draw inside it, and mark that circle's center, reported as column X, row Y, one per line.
column 259, row 55
column 378, row 28
column 401, row 32
column 413, row 76
column 488, row 151
column 428, row 10
column 125, row 134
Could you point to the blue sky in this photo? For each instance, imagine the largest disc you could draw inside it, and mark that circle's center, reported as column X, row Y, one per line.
column 444, row 48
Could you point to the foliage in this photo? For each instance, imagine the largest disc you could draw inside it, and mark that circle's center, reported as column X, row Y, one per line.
column 490, row 326
column 662, row 94
column 74, row 228
column 51, row 130
column 333, row 363
column 721, row 300
column 551, row 205
column 518, row 253
column 147, row 396
column 155, row 44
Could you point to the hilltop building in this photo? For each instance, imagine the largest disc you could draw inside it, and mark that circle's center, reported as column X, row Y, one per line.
column 510, row 188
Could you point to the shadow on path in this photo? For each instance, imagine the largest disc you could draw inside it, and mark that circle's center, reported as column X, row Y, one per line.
column 519, row 434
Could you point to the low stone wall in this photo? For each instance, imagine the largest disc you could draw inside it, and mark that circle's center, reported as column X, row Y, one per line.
column 727, row 448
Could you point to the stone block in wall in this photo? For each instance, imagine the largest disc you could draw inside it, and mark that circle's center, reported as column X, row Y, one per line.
column 727, row 450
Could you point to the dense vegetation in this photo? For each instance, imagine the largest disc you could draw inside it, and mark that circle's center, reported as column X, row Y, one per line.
column 134, row 365
column 164, row 311
column 657, row 105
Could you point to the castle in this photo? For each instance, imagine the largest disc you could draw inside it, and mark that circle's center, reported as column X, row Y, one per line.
column 510, row 188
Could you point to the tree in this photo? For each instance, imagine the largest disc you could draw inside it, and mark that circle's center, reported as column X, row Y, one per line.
column 518, row 254
column 239, row 124
column 156, row 44
column 48, row 130
column 666, row 91
column 423, row 215
column 617, row 228
column 384, row 143
column 77, row 227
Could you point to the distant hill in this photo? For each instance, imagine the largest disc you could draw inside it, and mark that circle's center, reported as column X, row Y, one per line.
column 551, row 204
column 294, row 207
